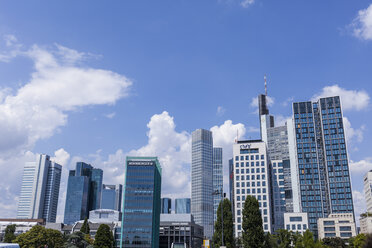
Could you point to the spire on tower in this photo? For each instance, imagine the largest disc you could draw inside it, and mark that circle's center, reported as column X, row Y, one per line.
column 265, row 85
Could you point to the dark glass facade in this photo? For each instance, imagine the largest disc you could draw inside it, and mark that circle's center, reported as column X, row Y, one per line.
column 183, row 206
column 83, row 194
column 141, row 211
column 322, row 159
column 166, row 205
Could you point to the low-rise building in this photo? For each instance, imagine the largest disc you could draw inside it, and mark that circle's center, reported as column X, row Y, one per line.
column 366, row 224
column 22, row 225
column 104, row 216
column 340, row 225
column 179, row 228
column 296, row 222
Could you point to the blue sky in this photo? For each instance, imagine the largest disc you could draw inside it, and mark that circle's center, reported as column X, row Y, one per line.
column 86, row 80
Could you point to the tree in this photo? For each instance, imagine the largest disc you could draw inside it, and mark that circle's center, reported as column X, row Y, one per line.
column 358, row 241
column 335, row 242
column 228, row 235
column 284, row 238
column 253, row 233
column 271, row 241
column 104, row 237
column 39, row 236
column 307, row 241
column 9, row 235
column 85, row 227
column 54, row 238
column 368, row 242
column 76, row 240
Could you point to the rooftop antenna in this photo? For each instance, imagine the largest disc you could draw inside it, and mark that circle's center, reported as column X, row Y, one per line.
column 265, row 85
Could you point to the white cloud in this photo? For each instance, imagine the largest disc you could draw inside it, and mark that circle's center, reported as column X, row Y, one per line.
column 362, row 24
column 351, row 99
column 359, row 204
column 361, row 167
column 280, row 120
column 246, row 3
column 61, row 157
column 270, row 101
column 353, row 133
column 288, row 101
column 110, row 115
column 220, row 111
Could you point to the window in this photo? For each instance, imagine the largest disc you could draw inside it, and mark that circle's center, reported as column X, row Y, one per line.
column 295, row 218
column 236, row 158
column 329, row 228
column 346, row 234
column 345, row 228
column 329, row 223
column 298, row 226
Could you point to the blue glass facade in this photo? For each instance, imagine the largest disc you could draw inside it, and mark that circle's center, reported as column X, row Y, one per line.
column 183, row 206
column 141, row 210
column 166, row 205
column 217, row 179
column 322, row 159
column 83, row 194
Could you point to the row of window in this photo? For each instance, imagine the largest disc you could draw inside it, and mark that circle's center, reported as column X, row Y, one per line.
column 263, row 177
column 252, row 157
column 299, row 226
column 258, row 170
column 252, row 164
column 253, row 191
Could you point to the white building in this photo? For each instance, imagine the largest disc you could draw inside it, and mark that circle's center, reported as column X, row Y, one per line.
column 366, row 224
column 40, row 190
column 337, row 225
column 104, row 216
column 22, row 225
column 251, row 177
column 296, row 222
column 368, row 190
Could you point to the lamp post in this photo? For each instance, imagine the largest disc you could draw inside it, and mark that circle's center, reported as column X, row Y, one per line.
column 217, row 192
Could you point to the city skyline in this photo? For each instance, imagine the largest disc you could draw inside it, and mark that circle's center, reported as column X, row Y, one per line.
column 119, row 120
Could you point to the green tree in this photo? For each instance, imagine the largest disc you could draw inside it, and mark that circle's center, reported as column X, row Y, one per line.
column 54, row 238
column 271, row 241
column 253, row 233
column 39, row 236
column 228, row 235
column 368, row 242
column 284, row 238
column 358, row 241
column 335, row 242
column 85, row 227
column 104, row 237
column 9, row 235
column 76, row 240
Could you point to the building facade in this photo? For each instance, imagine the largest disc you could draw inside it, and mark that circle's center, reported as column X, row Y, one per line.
column 40, row 189
column 166, row 205
column 368, row 190
column 104, row 216
column 141, row 210
column 251, row 177
column 112, row 196
column 365, row 224
column 183, row 206
column 22, row 225
column 217, row 179
column 179, row 228
column 202, row 180
column 337, row 225
column 321, row 158
column 83, row 192
column 296, row 222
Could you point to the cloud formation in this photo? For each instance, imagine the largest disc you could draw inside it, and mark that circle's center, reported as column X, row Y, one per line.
column 361, row 167
column 220, row 111
column 246, row 3
column 362, row 24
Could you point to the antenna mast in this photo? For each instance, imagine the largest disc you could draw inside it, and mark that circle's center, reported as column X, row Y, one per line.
column 265, row 85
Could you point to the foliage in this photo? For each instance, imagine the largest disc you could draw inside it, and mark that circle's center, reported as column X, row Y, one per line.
column 334, row 242
column 368, row 242
column 366, row 214
column 357, row 241
column 104, row 237
column 270, row 241
column 9, row 235
column 89, row 239
column 76, row 240
column 253, row 233
column 39, row 236
column 284, row 238
column 85, row 227
column 228, row 227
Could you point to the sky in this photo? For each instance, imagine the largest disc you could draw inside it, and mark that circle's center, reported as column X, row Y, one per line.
column 95, row 82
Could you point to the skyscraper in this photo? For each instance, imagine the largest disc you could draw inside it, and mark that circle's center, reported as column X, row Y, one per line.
column 83, row 192
column 40, row 189
column 111, row 196
column 141, row 211
column 368, row 190
column 217, row 179
column 321, row 157
column 202, row 180
column 183, row 206
column 166, row 205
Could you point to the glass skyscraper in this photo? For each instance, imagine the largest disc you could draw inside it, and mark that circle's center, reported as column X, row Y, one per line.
column 111, row 197
column 183, row 206
column 83, row 192
column 141, row 210
column 322, row 160
column 166, row 205
column 40, row 190
column 217, row 179
column 202, row 180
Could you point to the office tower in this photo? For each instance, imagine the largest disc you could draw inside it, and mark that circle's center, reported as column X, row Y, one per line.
column 166, row 205
column 368, row 190
column 323, row 170
column 111, row 197
column 202, row 180
column 217, row 179
column 40, row 189
column 83, row 192
column 183, row 206
column 141, row 211
column 251, row 171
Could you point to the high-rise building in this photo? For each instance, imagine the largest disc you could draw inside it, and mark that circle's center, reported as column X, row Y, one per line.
column 40, row 189
column 141, row 210
column 217, row 179
column 83, row 192
column 368, row 190
column 166, row 205
column 321, row 157
column 111, row 197
column 251, row 177
column 183, row 206
column 202, row 180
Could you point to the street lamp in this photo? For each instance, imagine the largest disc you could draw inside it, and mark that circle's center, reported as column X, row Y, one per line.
column 217, row 192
